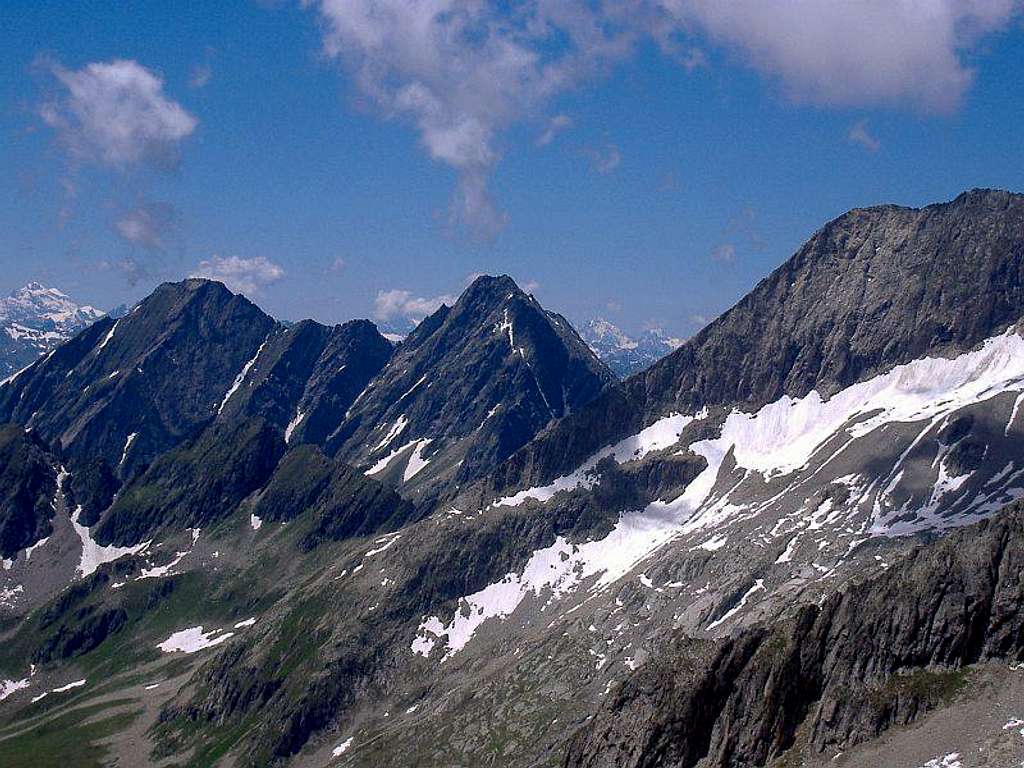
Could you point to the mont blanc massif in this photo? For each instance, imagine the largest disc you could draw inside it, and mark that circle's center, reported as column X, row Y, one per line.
column 793, row 540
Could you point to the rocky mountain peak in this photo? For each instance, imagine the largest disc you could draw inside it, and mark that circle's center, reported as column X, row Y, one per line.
column 489, row 372
column 34, row 320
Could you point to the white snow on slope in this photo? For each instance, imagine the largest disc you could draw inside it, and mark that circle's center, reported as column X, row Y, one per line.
column 416, row 460
column 413, row 388
column 94, row 555
column 193, row 639
column 62, row 689
column 784, row 435
column 399, row 426
column 952, row 760
column 9, row 687
column 299, row 416
column 658, row 436
column 109, row 336
column 127, row 447
column 780, row 438
column 343, row 747
column 757, row 587
column 255, row 522
column 241, row 377
column 385, row 542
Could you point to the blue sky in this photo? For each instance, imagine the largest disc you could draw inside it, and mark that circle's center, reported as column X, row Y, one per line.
column 643, row 160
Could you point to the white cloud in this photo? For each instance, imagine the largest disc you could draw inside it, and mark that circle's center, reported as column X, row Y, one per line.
column 397, row 303
column 200, row 75
column 147, row 224
column 338, row 265
column 603, row 160
column 248, row 276
column 836, row 52
column 724, row 253
column 463, row 71
column 859, row 134
column 555, row 126
column 116, row 114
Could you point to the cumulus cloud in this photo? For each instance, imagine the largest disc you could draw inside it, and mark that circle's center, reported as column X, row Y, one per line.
column 463, row 71
column 248, row 276
column 859, row 134
column 834, row 52
column 338, row 265
column 401, row 304
column 116, row 114
column 147, row 224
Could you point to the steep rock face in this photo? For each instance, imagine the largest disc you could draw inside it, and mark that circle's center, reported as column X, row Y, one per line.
column 157, row 374
column 874, row 288
column 467, row 388
column 28, row 481
column 876, row 655
column 339, row 501
column 305, row 377
column 195, row 484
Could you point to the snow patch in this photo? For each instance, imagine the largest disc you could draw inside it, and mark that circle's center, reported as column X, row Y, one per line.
column 94, row 555
column 386, row 543
column 193, row 639
column 952, row 760
column 416, row 460
column 658, row 436
column 109, row 336
column 127, row 447
column 399, row 426
column 255, row 522
column 343, row 747
column 241, row 377
column 9, row 687
column 758, row 586
column 299, row 416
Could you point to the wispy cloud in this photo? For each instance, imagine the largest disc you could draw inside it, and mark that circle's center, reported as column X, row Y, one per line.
column 556, row 125
column 248, row 276
column 724, row 253
column 201, row 73
column 147, row 224
column 604, row 159
column 859, row 134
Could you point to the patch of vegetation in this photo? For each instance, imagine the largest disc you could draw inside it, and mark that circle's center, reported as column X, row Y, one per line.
column 73, row 739
column 933, row 686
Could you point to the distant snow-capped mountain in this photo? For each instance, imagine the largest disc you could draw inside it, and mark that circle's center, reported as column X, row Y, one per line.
column 622, row 353
column 34, row 320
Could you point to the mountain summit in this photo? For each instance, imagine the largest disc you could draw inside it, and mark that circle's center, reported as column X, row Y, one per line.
column 624, row 354
column 36, row 319
column 469, row 386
